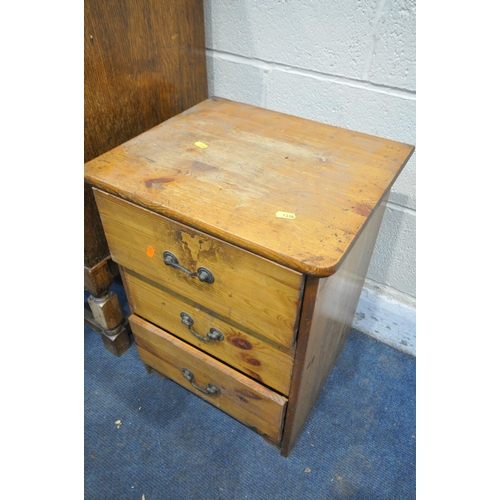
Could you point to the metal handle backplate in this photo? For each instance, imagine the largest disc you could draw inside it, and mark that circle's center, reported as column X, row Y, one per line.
column 210, row 389
column 213, row 333
column 202, row 273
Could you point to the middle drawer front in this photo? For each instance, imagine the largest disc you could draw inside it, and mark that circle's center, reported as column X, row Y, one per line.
column 254, row 357
column 247, row 289
column 252, row 404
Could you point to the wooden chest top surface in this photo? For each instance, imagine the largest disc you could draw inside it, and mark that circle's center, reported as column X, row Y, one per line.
column 228, row 168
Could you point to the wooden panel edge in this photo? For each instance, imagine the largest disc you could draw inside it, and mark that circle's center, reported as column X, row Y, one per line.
column 329, row 308
column 310, row 293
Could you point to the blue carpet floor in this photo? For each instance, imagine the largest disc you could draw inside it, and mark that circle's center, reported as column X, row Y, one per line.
column 358, row 443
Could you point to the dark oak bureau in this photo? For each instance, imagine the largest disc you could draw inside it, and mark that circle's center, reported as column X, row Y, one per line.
column 144, row 62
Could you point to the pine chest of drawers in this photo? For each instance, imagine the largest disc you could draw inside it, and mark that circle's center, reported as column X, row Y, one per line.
column 243, row 238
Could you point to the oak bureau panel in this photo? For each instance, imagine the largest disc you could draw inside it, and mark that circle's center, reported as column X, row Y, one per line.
column 245, row 352
column 239, row 396
column 247, row 289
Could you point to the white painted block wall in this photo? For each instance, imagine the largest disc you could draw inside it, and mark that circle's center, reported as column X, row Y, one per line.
column 349, row 63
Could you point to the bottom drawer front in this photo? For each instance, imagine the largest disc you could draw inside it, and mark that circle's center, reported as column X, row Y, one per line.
column 239, row 396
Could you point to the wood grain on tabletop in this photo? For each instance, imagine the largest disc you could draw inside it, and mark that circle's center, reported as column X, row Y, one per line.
column 249, row 402
column 247, row 353
column 257, row 162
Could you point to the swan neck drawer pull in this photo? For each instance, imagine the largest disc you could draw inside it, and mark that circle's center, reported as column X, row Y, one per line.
column 211, row 388
column 213, row 333
column 203, row 274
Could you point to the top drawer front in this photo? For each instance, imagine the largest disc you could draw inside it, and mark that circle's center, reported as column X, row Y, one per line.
column 247, row 289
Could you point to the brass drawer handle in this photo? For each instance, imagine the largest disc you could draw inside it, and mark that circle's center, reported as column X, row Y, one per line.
column 211, row 388
column 203, row 274
column 213, row 334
